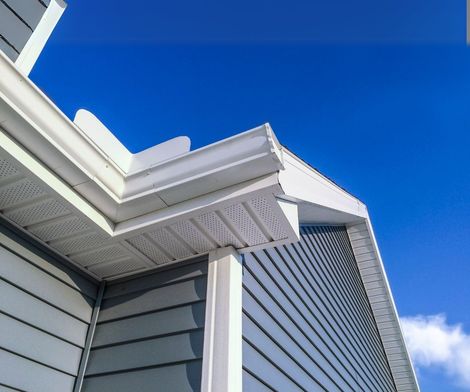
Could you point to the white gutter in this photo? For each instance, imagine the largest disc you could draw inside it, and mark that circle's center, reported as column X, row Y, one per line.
column 36, row 123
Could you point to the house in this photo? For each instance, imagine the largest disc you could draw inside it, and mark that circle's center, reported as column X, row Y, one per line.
column 232, row 267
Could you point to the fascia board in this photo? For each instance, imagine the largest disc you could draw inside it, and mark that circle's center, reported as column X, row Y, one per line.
column 373, row 274
column 266, row 185
column 303, row 184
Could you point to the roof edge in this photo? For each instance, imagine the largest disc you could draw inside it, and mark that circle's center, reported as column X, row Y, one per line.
column 36, row 123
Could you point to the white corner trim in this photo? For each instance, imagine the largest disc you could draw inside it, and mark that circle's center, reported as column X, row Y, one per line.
column 372, row 271
column 291, row 215
column 41, row 34
column 222, row 356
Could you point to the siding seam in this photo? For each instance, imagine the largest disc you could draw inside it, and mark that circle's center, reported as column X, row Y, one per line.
column 89, row 339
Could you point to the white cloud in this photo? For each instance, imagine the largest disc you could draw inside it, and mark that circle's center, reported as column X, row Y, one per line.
column 433, row 342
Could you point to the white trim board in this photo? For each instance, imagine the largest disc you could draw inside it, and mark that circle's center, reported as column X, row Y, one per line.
column 374, row 278
column 222, row 355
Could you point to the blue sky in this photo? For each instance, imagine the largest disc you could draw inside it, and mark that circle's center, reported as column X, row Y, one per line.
column 375, row 94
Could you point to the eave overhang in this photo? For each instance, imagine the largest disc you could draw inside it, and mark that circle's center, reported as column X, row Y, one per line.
column 114, row 213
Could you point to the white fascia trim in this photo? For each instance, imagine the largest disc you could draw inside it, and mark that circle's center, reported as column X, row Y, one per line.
column 36, row 123
column 222, row 354
column 303, row 184
column 33, row 48
column 265, row 185
column 379, row 293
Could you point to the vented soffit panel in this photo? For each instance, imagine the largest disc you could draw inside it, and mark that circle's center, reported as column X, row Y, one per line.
column 247, row 216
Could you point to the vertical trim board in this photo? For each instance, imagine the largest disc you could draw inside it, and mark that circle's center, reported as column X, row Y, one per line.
column 370, row 266
column 222, row 363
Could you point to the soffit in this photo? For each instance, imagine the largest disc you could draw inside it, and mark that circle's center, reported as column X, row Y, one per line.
column 244, row 218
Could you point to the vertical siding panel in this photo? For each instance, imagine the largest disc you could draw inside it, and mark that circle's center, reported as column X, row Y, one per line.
column 310, row 295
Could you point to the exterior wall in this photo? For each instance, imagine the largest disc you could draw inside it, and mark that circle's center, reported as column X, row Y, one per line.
column 307, row 323
column 18, row 19
column 150, row 332
column 45, row 309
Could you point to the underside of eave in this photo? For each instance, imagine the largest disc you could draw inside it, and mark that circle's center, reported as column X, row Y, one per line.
column 245, row 215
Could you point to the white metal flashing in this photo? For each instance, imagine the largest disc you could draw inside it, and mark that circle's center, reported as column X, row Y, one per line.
column 222, row 355
column 37, row 124
column 119, row 154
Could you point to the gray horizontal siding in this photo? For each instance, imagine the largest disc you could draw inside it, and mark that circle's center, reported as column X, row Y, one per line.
column 45, row 309
column 307, row 323
column 183, row 377
column 18, row 19
column 150, row 332
column 26, row 276
column 29, row 11
column 26, row 375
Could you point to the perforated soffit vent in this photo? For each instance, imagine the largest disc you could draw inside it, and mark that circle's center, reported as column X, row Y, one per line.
column 254, row 221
